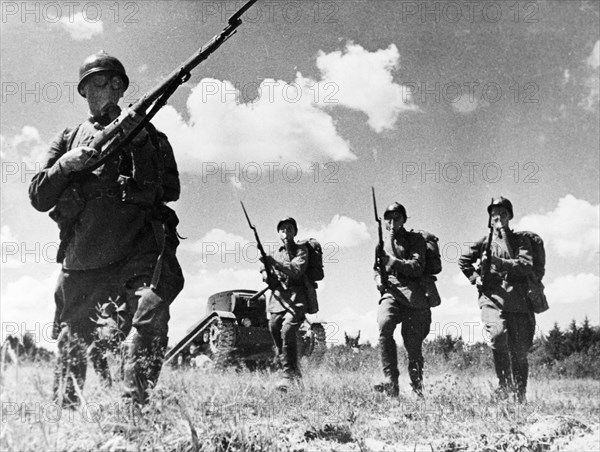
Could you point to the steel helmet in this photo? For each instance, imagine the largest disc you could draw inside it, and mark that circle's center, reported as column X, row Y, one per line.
column 101, row 62
column 288, row 220
column 501, row 202
column 396, row 207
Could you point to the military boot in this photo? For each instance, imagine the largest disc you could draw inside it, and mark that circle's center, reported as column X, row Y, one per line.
column 97, row 353
column 415, row 371
column 70, row 370
column 389, row 388
column 503, row 372
column 143, row 363
column 520, row 376
column 158, row 348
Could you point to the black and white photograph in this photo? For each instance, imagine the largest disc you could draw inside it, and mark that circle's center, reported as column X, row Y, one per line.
column 300, row 225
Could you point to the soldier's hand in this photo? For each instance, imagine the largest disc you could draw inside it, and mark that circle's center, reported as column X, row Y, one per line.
column 268, row 260
column 378, row 282
column 271, row 281
column 130, row 120
column 496, row 262
column 479, row 282
column 149, row 300
column 384, row 258
column 77, row 159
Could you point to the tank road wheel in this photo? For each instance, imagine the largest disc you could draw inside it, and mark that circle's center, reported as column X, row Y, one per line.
column 313, row 343
column 221, row 341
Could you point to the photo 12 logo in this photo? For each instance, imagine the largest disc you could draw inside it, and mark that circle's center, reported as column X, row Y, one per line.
column 52, row 92
column 469, row 11
column 69, row 11
column 470, row 172
column 471, row 92
column 271, row 172
column 228, row 253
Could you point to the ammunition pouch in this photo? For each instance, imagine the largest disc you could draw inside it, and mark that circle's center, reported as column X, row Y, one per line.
column 167, row 277
column 169, row 219
column 536, row 298
column 431, row 292
column 66, row 212
column 142, row 196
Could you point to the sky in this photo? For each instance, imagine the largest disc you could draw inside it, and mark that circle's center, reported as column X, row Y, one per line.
column 437, row 105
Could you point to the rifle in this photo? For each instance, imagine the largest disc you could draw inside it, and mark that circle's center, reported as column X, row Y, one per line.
column 380, row 253
column 487, row 263
column 272, row 279
column 113, row 138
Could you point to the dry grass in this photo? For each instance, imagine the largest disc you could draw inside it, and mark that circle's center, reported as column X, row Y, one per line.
column 336, row 410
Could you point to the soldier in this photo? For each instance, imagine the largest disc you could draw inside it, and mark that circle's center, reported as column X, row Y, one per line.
column 403, row 301
column 505, row 312
column 118, row 240
column 287, row 305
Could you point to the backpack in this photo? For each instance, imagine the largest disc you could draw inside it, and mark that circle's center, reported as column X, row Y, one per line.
column 538, row 251
column 433, row 266
column 433, row 260
column 314, row 270
column 535, row 288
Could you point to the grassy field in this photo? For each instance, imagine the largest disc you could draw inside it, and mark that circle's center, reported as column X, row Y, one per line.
column 337, row 410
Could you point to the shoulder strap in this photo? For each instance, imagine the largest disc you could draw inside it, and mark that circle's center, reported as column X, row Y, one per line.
column 71, row 139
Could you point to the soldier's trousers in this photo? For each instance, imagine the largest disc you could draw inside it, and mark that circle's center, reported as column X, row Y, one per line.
column 284, row 329
column 415, row 328
column 143, row 319
column 511, row 336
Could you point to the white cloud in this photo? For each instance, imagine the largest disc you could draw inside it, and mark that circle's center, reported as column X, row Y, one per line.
column 364, row 82
column 573, row 289
column 10, row 248
column 236, row 183
column 28, row 305
column 460, row 279
column 26, row 147
column 343, row 231
column 80, row 27
column 273, row 128
column 465, row 105
column 6, row 235
column 571, row 230
column 287, row 122
column 214, row 243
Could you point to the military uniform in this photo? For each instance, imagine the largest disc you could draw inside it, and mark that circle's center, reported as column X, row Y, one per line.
column 287, row 307
column 403, row 302
column 117, row 239
column 505, row 312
